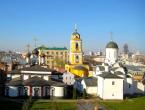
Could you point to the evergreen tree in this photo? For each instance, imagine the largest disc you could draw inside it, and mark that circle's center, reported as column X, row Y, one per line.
column 74, row 93
column 84, row 94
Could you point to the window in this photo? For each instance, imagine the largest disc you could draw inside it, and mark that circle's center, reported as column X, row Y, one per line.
column 129, row 86
column 113, row 83
column 77, row 46
column 77, row 59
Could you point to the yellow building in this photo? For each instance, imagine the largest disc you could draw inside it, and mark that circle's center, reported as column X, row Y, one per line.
column 75, row 64
column 54, row 58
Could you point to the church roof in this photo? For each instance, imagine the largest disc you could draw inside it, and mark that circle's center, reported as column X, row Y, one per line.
column 90, row 81
column 36, row 68
column 79, row 67
column 102, row 68
column 16, row 82
column 118, row 73
column 112, row 44
column 108, row 75
column 36, row 81
column 52, row 48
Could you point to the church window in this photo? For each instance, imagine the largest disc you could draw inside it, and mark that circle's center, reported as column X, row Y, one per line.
column 77, row 59
column 77, row 46
column 113, row 83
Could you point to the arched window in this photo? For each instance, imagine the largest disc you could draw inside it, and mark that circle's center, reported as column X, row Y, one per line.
column 77, row 46
column 77, row 59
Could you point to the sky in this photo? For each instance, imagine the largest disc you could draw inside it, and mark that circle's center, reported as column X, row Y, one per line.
column 52, row 23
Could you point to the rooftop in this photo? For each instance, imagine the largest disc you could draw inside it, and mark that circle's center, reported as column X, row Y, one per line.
column 108, row 75
column 51, row 48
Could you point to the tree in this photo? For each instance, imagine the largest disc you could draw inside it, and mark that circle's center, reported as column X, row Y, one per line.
column 59, row 62
column 74, row 93
column 84, row 94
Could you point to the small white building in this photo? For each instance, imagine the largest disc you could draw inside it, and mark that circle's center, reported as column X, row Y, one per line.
column 111, row 53
column 68, row 78
column 28, row 72
column 110, row 86
column 34, row 87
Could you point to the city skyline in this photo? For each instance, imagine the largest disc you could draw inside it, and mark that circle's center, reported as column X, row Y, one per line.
column 52, row 23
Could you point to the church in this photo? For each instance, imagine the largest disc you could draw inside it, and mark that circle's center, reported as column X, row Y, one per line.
column 76, row 64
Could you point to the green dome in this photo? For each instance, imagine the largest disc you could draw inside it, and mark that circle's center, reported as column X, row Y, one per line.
column 75, row 33
column 112, row 44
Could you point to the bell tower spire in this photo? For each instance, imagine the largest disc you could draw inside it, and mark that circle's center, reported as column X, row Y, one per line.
column 75, row 27
column 76, row 54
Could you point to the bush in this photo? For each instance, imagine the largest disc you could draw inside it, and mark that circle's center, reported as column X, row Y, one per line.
column 74, row 93
column 26, row 104
column 84, row 94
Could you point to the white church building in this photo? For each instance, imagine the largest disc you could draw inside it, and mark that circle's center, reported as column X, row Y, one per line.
column 114, row 81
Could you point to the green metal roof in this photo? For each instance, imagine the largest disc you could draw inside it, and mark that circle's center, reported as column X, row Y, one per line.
column 112, row 44
column 52, row 48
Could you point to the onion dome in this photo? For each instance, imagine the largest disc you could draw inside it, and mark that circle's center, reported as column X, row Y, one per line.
column 75, row 35
column 28, row 54
column 35, row 51
column 112, row 44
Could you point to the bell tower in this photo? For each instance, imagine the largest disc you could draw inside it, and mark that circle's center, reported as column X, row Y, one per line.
column 76, row 53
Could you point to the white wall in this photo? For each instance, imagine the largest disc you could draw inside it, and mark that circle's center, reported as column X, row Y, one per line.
column 108, row 91
column 26, row 77
column 91, row 90
column 113, row 91
column 58, row 91
column 100, row 86
column 15, row 76
column 139, row 87
column 111, row 55
column 46, row 77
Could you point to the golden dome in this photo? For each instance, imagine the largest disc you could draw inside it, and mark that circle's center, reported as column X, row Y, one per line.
column 75, row 35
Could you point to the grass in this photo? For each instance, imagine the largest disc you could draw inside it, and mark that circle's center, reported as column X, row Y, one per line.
column 129, row 104
column 53, row 106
